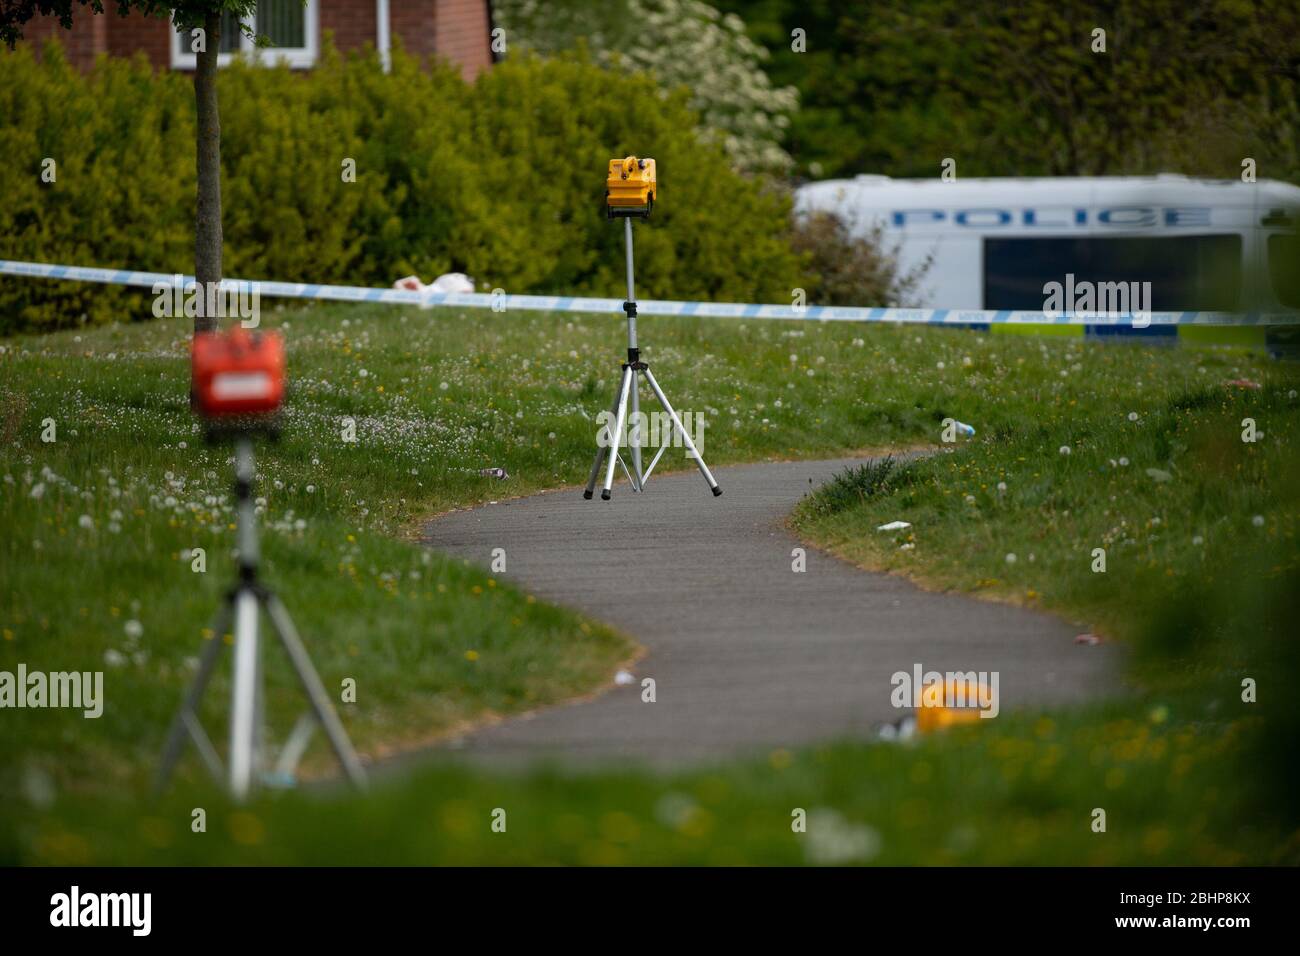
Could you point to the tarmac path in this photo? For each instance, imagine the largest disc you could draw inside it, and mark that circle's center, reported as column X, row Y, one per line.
column 745, row 653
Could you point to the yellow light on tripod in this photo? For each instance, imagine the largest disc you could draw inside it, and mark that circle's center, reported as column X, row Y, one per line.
column 630, row 188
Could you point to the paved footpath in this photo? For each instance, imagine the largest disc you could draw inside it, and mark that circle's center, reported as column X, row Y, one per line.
column 745, row 653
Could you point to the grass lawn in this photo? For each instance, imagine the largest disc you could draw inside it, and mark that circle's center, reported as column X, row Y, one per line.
column 96, row 571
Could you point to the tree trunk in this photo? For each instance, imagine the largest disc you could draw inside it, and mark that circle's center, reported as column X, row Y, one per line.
column 207, row 223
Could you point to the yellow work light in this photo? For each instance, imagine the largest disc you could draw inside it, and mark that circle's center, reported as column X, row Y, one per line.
column 630, row 188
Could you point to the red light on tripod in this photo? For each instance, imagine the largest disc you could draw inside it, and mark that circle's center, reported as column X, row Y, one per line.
column 243, row 387
column 236, row 373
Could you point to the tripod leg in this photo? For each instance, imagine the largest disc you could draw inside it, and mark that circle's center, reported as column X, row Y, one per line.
column 315, row 691
column 601, row 451
column 634, row 436
column 190, row 706
column 620, row 421
column 690, row 445
column 243, row 704
column 595, row 471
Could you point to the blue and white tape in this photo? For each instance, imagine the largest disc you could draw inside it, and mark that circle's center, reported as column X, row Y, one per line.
column 740, row 310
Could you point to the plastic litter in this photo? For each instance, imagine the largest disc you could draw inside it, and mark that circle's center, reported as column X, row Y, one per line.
column 498, row 473
column 624, row 677
column 901, row 729
column 895, row 526
column 450, row 282
column 963, row 428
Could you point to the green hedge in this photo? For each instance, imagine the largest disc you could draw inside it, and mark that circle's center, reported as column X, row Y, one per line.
column 501, row 179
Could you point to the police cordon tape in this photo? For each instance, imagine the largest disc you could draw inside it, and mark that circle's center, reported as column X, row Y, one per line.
column 502, row 302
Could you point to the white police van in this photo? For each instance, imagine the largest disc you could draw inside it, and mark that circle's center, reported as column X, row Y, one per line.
column 995, row 243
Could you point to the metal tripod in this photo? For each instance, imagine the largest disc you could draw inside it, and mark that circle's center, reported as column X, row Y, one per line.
column 607, row 450
column 243, row 604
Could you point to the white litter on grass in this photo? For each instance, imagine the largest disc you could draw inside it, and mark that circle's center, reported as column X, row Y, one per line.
column 903, row 729
column 623, row 678
column 895, row 526
column 450, row 282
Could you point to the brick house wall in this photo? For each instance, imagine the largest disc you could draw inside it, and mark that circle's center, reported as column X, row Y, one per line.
column 415, row 22
column 353, row 24
column 87, row 37
column 456, row 30
column 463, row 34
column 136, row 32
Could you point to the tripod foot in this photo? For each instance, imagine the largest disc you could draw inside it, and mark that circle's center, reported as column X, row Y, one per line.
column 604, row 495
column 587, row 495
column 717, row 492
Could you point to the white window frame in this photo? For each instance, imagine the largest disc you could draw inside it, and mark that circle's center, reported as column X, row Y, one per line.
column 298, row 58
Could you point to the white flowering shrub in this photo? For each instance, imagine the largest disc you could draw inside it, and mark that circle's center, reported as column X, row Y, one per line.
column 682, row 43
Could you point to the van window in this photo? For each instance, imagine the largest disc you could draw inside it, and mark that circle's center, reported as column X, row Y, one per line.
column 1284, row 267
column 1185, row 272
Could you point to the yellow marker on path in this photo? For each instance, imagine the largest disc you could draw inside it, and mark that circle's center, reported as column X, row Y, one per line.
column 958, row 703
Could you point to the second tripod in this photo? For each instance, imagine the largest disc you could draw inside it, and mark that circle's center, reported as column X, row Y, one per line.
column 242, row 607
